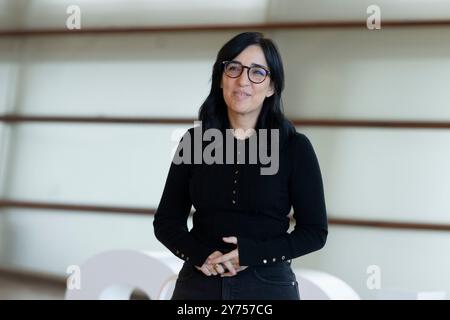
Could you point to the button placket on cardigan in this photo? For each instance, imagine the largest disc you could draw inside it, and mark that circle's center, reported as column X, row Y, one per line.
column 235, row 185
column 235, row 177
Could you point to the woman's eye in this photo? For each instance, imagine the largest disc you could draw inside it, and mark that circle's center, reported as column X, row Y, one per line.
column 259, row 72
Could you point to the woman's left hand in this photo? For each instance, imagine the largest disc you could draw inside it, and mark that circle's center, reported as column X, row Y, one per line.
column 230, row 258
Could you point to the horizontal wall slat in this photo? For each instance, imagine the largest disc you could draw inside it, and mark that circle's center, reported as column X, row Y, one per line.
column 12, row 119
column 226, row 27
column 150, row 211
column 99, row 120
column 73, row 207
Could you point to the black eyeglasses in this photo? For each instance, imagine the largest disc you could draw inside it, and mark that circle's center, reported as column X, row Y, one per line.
column 256, row 73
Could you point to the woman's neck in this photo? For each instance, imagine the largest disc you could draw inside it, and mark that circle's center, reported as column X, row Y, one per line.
column 242, row 125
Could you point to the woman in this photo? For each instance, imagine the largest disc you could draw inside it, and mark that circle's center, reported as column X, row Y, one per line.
column 239, row 247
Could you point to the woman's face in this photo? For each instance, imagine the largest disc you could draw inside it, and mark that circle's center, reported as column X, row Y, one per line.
column 242, row 96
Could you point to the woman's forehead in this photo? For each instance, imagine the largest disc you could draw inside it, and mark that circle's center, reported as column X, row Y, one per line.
column 252, row 55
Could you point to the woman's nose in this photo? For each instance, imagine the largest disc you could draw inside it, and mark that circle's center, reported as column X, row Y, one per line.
column 243, row 78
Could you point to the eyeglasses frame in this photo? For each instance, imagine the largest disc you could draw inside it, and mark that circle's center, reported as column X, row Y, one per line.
column 225, row 63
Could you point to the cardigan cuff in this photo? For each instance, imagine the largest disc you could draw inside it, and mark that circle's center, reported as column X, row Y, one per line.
column 253, row 253
column 191, row 250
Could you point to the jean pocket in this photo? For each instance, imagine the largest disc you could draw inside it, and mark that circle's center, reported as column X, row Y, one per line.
column 275, row 276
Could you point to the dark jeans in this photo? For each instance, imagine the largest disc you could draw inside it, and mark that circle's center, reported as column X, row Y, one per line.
column 268, row 282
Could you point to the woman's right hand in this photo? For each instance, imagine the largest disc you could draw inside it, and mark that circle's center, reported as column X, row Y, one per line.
column 210, row 269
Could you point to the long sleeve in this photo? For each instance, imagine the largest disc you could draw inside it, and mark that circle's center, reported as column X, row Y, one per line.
column 308, row 201
column 170, row 221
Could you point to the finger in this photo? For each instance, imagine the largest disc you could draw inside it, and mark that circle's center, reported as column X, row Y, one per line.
column 229, row 256
column 211, row 269
column 235, row 261
column 238, row 269
column 219, row 268
column 227, row 274
column 230, row 240
column 205, row 270
column 214, row 255
column 230, row 267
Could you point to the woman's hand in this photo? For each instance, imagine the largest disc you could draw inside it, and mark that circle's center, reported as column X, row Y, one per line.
column 208, row 268
column 229, row 260
column 218, row 268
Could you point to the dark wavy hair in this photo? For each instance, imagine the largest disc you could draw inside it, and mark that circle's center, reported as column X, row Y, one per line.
column 213, row 111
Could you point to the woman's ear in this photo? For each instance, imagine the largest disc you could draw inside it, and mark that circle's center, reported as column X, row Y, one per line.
column 271, row 91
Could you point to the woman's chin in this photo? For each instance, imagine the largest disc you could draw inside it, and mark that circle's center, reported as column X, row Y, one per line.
column 241, row 109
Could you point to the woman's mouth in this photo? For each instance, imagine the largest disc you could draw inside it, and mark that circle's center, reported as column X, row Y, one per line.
column 241, row 95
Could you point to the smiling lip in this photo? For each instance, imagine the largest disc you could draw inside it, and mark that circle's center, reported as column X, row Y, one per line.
column 241, row 94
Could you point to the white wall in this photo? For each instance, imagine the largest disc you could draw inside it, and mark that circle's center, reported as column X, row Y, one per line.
column 390, row 174
column 112, row 13
column 408, row 260
column 387, row 174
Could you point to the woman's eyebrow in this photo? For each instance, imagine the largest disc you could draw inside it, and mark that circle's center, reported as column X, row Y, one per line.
column 258, row 65
column 253, row 64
